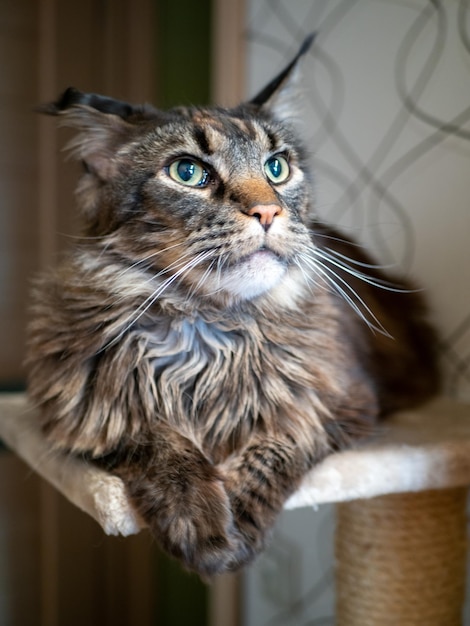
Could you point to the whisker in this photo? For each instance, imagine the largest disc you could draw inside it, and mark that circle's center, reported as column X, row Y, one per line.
column 373, row 325
column 150, row 300
column 151, row 278
column 201, row 281
column 359, row 263
column 218, row 275
column 151, row 256
column 355, row 244
column 308, row 279
column 375, row 282
column 83, row 237
column 311, row 283
column 317, row 265
column 101, row 254
column 218, row 271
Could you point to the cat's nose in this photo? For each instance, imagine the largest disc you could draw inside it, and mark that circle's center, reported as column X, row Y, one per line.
column 265, row 213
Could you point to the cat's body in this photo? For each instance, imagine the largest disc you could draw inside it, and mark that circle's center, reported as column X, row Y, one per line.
column 195, row 343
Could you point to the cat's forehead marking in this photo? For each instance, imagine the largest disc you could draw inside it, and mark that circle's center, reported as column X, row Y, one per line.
column 202, row 116
column 213, row 132
column 213, row 128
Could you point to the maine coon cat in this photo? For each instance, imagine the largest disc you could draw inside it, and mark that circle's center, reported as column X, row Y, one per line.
column 210, row 340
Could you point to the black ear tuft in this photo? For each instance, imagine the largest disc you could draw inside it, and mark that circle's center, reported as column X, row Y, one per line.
column 278, row 83
column 73, row 97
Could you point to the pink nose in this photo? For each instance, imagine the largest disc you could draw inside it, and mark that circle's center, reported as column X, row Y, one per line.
column 265, row 213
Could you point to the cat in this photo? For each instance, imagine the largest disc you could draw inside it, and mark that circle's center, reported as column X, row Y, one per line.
column 210, row 340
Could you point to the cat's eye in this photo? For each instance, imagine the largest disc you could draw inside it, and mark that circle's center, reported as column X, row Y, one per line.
column 277, row 169
column 188, row 172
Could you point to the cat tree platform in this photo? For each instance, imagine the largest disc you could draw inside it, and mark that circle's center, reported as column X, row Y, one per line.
column 401, row 541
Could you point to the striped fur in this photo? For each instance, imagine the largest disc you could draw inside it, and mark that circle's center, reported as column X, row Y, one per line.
column 211, row 344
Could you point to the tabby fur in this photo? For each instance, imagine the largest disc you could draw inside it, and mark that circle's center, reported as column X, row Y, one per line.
column 210, row 344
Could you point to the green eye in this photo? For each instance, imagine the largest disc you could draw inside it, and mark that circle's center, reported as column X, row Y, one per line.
column 277, row 169
column 189, row 173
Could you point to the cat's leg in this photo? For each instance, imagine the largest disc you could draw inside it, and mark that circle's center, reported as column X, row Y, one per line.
column 181, row 496
column 271, row 467
column 258, row 482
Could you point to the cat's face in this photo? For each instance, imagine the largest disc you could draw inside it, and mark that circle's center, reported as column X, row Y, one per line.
column 220, row 197
column 212, row 200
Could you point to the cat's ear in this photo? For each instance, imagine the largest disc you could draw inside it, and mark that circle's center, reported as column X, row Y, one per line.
column 281, row 94
column 104, row 124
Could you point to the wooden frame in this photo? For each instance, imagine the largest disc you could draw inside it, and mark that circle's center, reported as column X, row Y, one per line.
column 228, row 51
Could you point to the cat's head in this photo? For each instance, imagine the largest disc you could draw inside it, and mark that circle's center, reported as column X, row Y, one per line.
column 212, row 200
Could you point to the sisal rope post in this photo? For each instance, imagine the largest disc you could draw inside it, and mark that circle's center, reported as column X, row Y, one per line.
column 401, row 559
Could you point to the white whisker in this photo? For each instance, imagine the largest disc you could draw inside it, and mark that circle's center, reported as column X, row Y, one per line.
column 373, row 325
column 152, row 277
column 152, row 256
column 355, row 244
column 359, row 263
column 375, row 282
column 152, row 298
column 202, row 280
column 311, row 283
column 82, row 237
column 319, row 267
column 218, row 271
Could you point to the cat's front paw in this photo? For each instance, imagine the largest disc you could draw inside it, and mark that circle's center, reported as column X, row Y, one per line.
column 188, row 511
column 258, row 483
column 253, row 521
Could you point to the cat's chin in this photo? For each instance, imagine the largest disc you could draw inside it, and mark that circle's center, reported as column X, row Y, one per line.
column 253, row 275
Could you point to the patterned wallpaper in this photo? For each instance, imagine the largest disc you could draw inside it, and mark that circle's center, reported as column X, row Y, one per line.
column 387, row 119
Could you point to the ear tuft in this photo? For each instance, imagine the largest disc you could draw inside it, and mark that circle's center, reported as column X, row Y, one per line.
column 73, row 97
column 280, row 94
column 104, row 127
column 104, row 124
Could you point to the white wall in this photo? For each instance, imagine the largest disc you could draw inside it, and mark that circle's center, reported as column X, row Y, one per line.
column 387, row 118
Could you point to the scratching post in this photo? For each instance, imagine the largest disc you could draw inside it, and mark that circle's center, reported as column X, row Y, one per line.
column 401, row 532
column 401, row 544
column 401, row 559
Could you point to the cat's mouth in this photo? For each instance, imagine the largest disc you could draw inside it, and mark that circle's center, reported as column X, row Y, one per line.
column 254, row 273
column 261, row 255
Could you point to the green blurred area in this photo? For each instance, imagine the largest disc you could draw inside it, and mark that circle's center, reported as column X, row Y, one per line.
column 183, row 52
column 182, row 597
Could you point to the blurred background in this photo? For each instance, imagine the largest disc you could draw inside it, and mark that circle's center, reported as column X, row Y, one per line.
column 387, row 120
